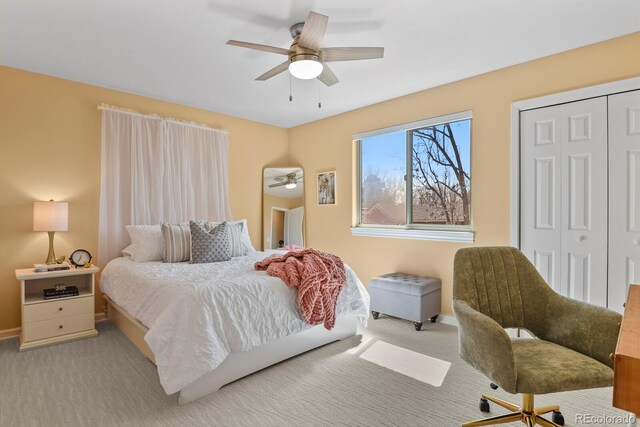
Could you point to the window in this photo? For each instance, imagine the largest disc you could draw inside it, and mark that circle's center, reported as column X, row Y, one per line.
column 416, row 177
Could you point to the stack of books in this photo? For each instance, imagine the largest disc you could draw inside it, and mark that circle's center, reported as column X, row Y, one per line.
column 42, row 268
column 60, row 292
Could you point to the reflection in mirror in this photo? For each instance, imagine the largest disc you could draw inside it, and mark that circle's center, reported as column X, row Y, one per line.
column 283, row 208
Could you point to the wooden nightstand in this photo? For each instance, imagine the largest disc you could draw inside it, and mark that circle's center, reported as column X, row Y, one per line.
column 53, row 321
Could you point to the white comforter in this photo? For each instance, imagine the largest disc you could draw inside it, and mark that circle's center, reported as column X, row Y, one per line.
column 199, row 313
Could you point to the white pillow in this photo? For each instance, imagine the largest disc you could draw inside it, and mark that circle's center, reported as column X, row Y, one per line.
column 246, row 240
column 147, row 243
column 128, row 251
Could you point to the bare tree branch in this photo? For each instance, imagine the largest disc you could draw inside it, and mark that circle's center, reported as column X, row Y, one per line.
column 437, row 161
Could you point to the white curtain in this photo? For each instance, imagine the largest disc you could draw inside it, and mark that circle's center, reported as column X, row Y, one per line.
column 157, row 170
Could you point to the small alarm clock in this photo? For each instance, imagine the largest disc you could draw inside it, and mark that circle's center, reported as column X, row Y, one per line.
column 80, row 258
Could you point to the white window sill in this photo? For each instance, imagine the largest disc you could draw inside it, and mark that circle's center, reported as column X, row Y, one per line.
column 415, row 234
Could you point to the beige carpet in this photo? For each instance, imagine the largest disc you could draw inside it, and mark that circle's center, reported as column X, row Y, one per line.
column 105, row 381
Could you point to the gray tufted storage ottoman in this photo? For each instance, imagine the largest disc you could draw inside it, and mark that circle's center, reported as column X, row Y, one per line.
column 406, row 296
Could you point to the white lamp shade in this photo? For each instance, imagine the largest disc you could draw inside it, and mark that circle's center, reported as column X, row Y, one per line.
column 305, row 69
column 50, row 216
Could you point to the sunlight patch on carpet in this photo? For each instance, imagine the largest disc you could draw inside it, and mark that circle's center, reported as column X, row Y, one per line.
column 415, row 365
column 364, row 344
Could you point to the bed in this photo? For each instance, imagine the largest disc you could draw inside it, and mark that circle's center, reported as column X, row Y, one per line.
column 206, row 325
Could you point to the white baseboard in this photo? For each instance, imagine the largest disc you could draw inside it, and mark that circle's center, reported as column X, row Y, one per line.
column 448, row 320
column 5, row 334
column 512, row 332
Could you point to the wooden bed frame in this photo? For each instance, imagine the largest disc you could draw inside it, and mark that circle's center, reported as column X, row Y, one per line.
column 236, row 365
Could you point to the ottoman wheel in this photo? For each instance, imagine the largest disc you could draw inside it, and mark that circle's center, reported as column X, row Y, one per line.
column 418, row 325
column 434, row 318
column 375, row 314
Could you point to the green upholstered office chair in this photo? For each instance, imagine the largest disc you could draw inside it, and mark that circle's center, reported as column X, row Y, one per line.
column 496, row 288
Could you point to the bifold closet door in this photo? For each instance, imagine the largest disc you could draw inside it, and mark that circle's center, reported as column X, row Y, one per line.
column 624, row 195
column 563, row 196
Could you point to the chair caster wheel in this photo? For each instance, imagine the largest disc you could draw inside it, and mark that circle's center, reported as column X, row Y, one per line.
column 557, row 418
column 375, row 314
column 418, row 325
column 434, row 318
column 484, row 405
column 493, row 386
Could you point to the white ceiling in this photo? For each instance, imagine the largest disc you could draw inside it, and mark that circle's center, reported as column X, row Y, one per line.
column 284, row 193
column 175, row 50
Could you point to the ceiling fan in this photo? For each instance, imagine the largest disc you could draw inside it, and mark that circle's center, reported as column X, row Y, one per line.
column 306, row 58
column 289, row 181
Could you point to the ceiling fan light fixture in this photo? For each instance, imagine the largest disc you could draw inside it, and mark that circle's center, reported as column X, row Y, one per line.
column 290, row 185
column 305, row 67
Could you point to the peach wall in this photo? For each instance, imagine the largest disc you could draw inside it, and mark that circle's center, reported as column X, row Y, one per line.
column 327, row 144
column 50, row 133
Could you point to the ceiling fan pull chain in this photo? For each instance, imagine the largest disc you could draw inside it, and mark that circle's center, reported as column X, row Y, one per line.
column 290, row 94
column 319, row 99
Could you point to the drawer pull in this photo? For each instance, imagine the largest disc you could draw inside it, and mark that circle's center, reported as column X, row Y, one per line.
column 60, row 326
column 60, row 309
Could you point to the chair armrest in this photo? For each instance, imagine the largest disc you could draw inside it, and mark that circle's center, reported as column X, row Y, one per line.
column 486, row 346
column 585, row 328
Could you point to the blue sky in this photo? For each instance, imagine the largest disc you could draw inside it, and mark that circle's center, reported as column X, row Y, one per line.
column 386, row 154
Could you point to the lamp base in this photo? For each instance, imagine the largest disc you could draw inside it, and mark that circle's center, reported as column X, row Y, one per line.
column 51, row 257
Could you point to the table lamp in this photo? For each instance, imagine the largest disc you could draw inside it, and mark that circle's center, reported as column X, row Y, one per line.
column 50, row 217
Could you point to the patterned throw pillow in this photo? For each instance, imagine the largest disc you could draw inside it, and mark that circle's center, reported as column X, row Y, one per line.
column 177, row 242
column 235, row 229
column 210, row 247
column 246, row 240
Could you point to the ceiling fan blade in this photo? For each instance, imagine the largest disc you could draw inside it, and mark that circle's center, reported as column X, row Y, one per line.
column 256, row 46
column 333, row 54
column 275, row 71
column 313, row 31
column 278, row 185
column 327, row 77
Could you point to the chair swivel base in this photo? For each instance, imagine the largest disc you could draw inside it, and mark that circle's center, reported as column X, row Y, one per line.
column 526, row 413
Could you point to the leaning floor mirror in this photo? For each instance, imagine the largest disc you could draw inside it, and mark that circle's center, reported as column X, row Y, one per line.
column 283, row 208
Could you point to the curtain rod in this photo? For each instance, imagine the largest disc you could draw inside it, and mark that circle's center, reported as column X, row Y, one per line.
column 155, row 116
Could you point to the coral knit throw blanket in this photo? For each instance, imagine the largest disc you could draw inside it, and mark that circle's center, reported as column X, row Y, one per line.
column 319, row 277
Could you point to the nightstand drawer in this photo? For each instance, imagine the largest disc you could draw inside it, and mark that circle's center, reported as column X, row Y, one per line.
column 33, row 331
column 55, row 309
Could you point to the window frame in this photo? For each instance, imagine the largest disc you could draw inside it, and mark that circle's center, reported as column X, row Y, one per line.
column 456, row 233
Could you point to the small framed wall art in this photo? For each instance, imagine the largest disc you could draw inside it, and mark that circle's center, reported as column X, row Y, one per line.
column 326, row 188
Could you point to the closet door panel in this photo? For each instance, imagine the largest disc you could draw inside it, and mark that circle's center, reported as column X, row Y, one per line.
column 584, row 200
column 624, row 195
column 540, row 235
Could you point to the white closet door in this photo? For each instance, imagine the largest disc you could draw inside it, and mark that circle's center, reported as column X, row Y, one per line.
column 540, row 191
column 564, row 196
column 624, row 195
column 585, row 201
